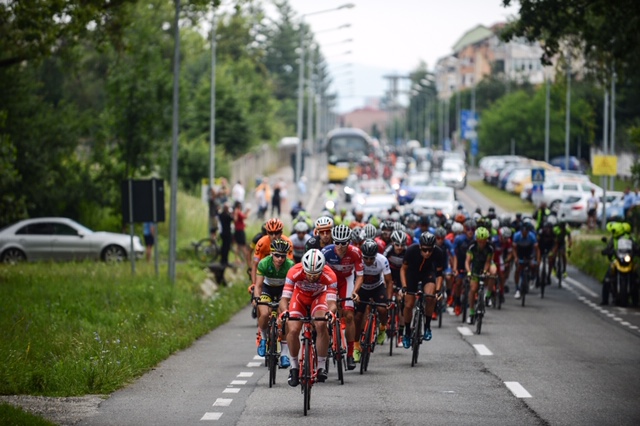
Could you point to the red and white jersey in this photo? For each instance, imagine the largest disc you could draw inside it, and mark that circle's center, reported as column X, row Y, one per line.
column 381, row 244
column 297, row 279
column 345, row 266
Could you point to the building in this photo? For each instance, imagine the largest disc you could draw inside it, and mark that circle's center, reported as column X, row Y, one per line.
column 369, row 119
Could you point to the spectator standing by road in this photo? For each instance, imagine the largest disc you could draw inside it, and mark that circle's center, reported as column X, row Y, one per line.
column 239, row 236
column 238, row 192
column 592, row 208
column 263, row 197
column 149, row 233
column 275, row 200
column 225, row 232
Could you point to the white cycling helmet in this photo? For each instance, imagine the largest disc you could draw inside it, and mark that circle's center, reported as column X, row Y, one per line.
column 313, row 261
column 324, row 222
column 457, row 228
column 341, row 233
column 301, row 227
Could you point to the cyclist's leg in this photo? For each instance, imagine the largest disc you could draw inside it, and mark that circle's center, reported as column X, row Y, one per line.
column 429, row 305
column 297, row 309
column 345, row 289
column 319, row 308
column 473, row 294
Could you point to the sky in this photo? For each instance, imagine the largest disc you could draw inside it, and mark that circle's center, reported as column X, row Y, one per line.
column 390, row 37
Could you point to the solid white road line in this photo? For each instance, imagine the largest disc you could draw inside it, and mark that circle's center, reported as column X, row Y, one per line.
column 231, row 390
column 581, row 287
column 245, row 374
column 517, row 390
column 465, row 331
column 482, row 350
column 211, row 416
column 222, row 402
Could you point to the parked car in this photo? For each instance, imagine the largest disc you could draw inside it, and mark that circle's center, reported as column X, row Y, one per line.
column 59, row 238
column 574, row 207
column 555, row 192
column 516, row 179
column 438, row 198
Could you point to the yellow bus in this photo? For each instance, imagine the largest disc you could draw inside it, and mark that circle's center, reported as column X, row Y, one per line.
column 345, row 148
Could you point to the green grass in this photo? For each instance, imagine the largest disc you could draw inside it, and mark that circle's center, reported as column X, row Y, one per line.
column 506, row 201
column 586, row 256
column 90, row 328
column 10, row 415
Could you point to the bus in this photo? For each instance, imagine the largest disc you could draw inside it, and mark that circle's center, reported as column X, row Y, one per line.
column 345, row 148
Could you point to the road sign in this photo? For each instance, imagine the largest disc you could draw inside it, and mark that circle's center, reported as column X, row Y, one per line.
column 605, row 165
column 469, row 122
column 537, row 175
column 536, row 193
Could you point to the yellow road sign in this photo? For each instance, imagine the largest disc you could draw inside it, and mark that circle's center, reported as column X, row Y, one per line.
column 605, row 165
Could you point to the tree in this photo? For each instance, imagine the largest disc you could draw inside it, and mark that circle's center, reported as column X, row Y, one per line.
column 605, row 31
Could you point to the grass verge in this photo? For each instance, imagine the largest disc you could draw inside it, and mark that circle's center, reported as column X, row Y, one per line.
column 507, row 202
column 90, row 328
column 586, row 256
column 10, row 415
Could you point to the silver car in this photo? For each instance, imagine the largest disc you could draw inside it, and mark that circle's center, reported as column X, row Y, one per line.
column 62, row 239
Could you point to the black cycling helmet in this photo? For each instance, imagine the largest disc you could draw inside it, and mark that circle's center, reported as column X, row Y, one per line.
column 427, row 239
column 312, row 243
column 369, row 248
column 357, row 235
column 280, row 246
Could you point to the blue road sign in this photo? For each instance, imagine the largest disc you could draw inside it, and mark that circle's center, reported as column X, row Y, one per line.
column 537, row 188
column 537, row 175
column 468, row 124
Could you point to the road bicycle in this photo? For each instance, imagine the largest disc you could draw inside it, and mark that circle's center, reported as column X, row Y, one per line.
column 481, row 300
column 395, row 316
column 545, row 273
column 464, row 298
column 441, row 303
column 338, row 345
column 417, row 324
column 207, row 250
column 308, row 374
column 525, row 280
column 272, row 355
column 369, row 335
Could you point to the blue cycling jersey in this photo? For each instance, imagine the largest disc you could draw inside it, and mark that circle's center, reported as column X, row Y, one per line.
column 524, row 245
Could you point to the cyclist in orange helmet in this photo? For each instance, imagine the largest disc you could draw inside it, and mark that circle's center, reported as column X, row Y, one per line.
column 274, row 227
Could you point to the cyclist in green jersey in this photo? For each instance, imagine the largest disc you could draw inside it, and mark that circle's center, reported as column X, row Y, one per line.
column 270, row 276
column 563, row 244
column 479, row 261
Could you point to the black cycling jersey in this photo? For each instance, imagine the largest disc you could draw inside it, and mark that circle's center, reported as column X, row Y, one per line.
column 423, row 269
column 479, row 257
column 395, row 262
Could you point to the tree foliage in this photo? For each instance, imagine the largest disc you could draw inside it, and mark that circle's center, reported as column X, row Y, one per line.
column 605, row 31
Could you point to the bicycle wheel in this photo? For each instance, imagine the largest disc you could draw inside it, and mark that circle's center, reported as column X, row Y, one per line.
column 393, row 329
column 479, row 312
column 338, row 350
column 543, row 279
column 372, row 336
column 306, row 377
column 207, row 250
column 416, row 335
column 525, row 287
column 559, row 268
column 272, row 352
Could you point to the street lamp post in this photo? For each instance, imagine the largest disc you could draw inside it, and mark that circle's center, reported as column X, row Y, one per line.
column 299, row 124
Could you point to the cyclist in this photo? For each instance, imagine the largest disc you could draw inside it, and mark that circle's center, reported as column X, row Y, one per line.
column 423, row 262
column 395, row 255
column 460, row 247
column 274, row 228
column 357, row 236
column 299, row 238
column 386, row 228
column 526, row 251
column 323, row 226
column 541, row 214
column 270, row 277
column 478, row 262
column 345, row 260
column 546, row 241
column 562, row 233
column 370, row 232
column 502, row 256
column 377, row 286
column 447, row 248
column 310, row 284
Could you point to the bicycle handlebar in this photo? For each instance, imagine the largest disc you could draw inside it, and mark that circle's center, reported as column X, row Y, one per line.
column 269, row 304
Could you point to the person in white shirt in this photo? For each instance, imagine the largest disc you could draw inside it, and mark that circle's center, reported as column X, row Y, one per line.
column 238, row 192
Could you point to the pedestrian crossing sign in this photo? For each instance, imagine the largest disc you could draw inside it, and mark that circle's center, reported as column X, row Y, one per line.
column 537, row 175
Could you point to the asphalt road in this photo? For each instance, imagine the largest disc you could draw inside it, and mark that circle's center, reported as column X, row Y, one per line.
column 561, row 360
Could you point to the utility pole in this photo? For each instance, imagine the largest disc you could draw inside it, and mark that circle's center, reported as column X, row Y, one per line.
column 567, row 115
column 546, row 119
column 173, row 202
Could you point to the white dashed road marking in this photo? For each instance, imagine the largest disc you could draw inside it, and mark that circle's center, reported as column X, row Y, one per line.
column 254, row 364
column 211, row 416
column 482, row 350
column 245, row 374
column 231, row 390
column 238, row 382
column 465, row 331
column 517, row 390
column 222, row 402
